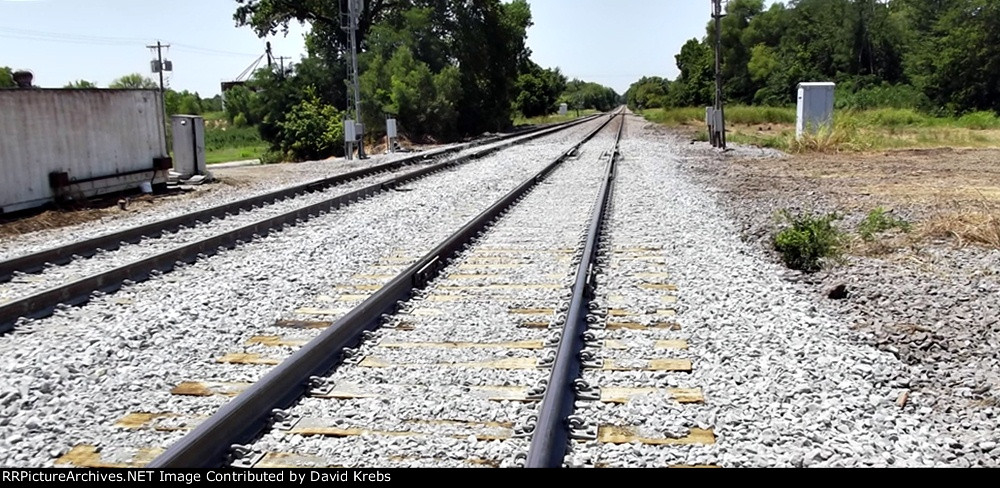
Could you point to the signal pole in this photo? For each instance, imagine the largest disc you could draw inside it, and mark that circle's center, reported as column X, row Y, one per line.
column 353, row 13
column 718, row 14
column 159, row 66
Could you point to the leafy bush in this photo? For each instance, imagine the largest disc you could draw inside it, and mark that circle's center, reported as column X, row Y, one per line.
column 807, row 240
column 878, row 221
column 311, row 130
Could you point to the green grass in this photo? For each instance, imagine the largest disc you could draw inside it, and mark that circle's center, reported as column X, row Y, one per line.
column 854, row 130
column 231, row 154
column 551, row 119
column 224, row 144
column 878, row 221
column 739, row 114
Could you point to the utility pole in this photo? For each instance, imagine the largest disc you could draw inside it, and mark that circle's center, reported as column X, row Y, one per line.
column 718, row 13
column 159, row 66
column 282, row 59
column 354, row 8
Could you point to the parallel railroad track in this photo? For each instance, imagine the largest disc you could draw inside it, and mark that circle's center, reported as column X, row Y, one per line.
column 27, row 295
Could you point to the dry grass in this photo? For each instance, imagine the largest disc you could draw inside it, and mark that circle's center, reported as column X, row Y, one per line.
column 53, row 219
column 853, row 131
column 968, row 227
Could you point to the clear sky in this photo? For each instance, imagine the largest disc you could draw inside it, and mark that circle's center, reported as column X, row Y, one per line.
column 612, row 42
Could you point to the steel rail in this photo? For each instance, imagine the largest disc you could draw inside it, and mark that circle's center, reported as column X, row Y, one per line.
column 551, row 433
column 43, row 303
column 246, row 416
column 35, row 262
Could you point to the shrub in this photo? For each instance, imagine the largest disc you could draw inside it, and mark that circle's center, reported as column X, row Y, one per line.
column 878, row 221
column 807, row 240
column 311, row 130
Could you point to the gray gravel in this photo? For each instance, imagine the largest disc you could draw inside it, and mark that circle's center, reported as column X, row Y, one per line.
column 70, row 377
column 933, row 305
column 552, row 218
column 785, row 385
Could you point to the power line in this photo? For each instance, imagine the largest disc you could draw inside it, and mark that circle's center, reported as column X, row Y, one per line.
column 82, row 38
column 33, row 35
column 66, row 41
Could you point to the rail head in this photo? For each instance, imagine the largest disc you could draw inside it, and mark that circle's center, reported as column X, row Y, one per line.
column 552, row 431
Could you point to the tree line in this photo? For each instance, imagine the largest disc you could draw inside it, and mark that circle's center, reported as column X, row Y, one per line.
column 445, row 69
column 937, row 56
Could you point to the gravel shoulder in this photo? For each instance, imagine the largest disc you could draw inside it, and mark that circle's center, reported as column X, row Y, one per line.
column 930, row 299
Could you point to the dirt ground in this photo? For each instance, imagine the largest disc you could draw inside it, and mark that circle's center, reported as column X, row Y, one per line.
column 937, row 179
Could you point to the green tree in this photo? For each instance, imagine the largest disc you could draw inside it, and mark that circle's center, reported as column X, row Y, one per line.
column 648, row 92
column 81, row 84
column 183, row 102
column 445, row 68
column 695, row 86
column 7, row 77
column 240, row 101
column 539, row 90
column 955, row 55
column 213, row 104
column 582, row 95
column 133, row 81
column 736, row 52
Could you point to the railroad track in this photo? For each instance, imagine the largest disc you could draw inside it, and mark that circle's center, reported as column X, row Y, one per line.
column 33, row 286
column 308, row 355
